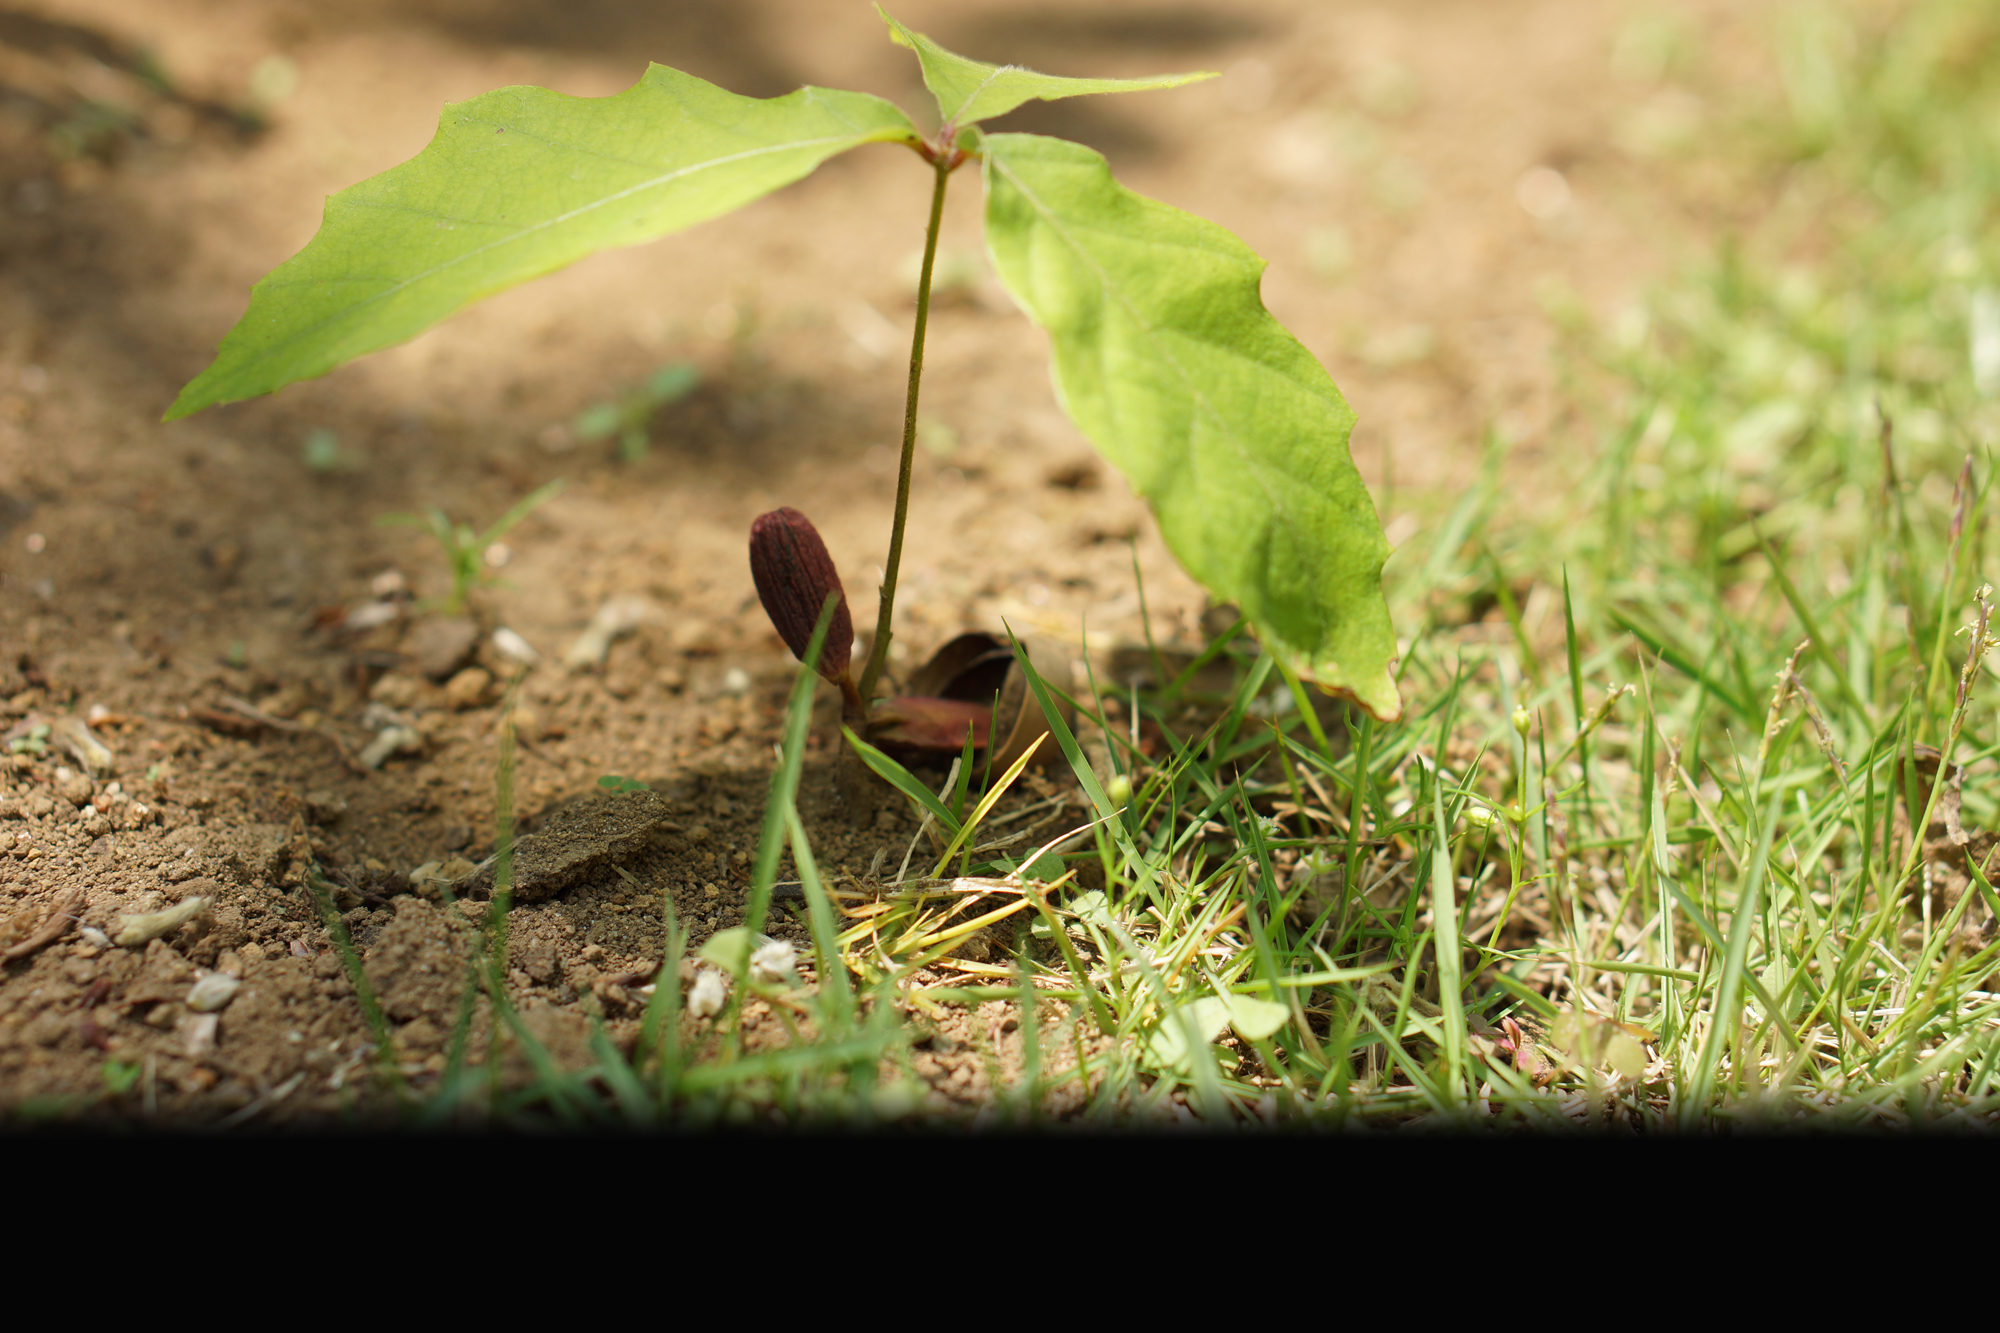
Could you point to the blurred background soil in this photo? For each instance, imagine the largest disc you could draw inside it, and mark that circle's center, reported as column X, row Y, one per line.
column 1438, row 186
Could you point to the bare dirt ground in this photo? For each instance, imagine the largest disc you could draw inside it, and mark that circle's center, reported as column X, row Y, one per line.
column 180, row 589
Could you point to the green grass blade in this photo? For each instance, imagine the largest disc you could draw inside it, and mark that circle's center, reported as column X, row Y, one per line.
column 785, row 781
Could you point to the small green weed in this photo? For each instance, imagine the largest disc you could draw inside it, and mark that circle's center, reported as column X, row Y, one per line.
column 630, row 416
column 465, row 550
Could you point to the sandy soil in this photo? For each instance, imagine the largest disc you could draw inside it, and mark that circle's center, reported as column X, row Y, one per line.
column 158, row 580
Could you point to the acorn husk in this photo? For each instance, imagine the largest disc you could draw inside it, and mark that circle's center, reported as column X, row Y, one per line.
column 956, row 689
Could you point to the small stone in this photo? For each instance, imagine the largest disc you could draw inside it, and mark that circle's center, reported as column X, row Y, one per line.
column 510, row 644
column 391, row 740
column 468, row 689
column 397, row 690
column 197, row 1032
column 73, row 787
column 538, row 960
column 438, row 646
column 579, row 840
column 616, row 618
column 325, row 806
column 429, row 881
column 456, row 837
column 212, row 992
column 527, row 723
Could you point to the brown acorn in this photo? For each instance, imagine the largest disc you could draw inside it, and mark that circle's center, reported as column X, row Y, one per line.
column 795, row 576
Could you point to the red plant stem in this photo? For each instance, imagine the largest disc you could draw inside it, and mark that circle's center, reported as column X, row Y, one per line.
column 878, row 656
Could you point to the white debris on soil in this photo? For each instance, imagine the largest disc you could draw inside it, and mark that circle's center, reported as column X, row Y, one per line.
column 76, row 737
column 618, row 617
column 198, row 1032
column 710, row 993
column 135, row 930
column 392, row 739
column 773, row 963
column 511, row 645
column 371, row 615
column 212, row 992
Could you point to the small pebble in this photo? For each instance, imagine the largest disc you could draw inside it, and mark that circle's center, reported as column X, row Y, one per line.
column 198, row 1031
column 392, row 739
column 526, row 722
column 439, row 645
column 736, row 680
column 212, row 992
column 397, row 690
column 468, row 688
column 616, row 618
column 511, row 645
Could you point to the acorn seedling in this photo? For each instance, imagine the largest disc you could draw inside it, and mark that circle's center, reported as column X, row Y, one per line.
column 1161, row 348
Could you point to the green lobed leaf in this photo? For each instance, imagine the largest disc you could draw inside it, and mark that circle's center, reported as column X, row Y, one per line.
column 969, row 91
column 1256, row 1019
column 1168, row 1042
column 517, row 183
column 1166, row 358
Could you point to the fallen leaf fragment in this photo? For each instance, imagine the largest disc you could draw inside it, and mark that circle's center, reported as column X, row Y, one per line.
column 76, row 737
column 137, row 929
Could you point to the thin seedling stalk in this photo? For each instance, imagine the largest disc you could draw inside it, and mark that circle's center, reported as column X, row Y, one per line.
column 878, row 654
